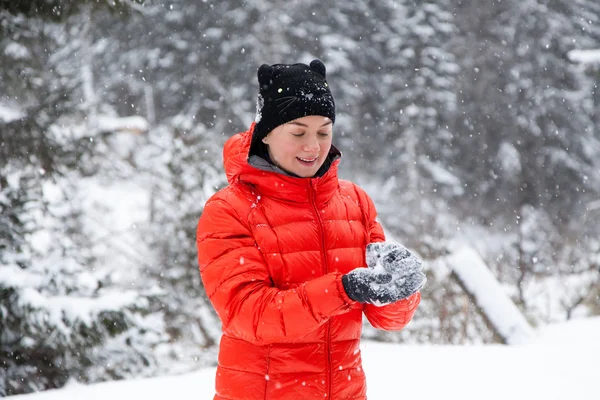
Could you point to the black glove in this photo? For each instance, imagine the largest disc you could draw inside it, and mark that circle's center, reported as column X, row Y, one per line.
column 368, row 286
column 406, row 268
column 393, row 273
column 393, row 257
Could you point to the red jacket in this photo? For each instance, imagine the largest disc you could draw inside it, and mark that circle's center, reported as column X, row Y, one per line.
column 272, row 250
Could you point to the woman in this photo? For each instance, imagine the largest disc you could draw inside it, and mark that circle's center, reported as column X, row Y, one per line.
column 282, row 253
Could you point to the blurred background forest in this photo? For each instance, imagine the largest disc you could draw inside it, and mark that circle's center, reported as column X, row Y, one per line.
column 466, row 121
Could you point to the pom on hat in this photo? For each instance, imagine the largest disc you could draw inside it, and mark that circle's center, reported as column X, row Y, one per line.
column 288, row 92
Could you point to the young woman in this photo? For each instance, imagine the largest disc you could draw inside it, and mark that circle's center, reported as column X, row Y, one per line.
column 283, row 250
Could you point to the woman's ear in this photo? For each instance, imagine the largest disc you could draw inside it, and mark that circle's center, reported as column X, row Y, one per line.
column 265, row 140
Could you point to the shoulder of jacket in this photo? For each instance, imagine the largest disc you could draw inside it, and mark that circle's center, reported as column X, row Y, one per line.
column 238, row 196
column 352, row 189
column 362, row 199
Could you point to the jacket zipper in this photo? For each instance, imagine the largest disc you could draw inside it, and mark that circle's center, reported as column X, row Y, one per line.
column 312, row 196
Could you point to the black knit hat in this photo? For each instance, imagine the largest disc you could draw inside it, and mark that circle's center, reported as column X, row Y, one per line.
column 288, row 92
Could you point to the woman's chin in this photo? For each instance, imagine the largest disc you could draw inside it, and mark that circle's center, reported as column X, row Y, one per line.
column 306, row 170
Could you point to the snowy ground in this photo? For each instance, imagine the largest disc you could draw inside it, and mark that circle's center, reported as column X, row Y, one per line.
column 562, row 363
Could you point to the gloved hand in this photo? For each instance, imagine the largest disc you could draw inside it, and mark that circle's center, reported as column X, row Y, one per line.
column 393, row 258
column 393, row 273
column 368, row 286
column 406, row 268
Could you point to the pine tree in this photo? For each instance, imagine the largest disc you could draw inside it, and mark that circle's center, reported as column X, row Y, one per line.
column 61, row 314
column 190, row 173
column 420, row 80
column 528, row 119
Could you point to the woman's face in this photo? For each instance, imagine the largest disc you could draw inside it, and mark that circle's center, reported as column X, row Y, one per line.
column 301, row 146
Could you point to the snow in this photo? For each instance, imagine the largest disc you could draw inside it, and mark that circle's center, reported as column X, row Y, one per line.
column 546, row 298
column 134, row 124
column 489, row 295
column 17, row 51
column 260, row 103
column 66, row 311
column 558, row 366
column 585, row 56
column 442, row 176
column 510, row 160
column 115, row 206
column 15, row 276
column 113, row 211
column 8, row 114
column 582, row 333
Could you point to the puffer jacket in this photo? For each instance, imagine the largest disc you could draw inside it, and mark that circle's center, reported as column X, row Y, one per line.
column 272, row 249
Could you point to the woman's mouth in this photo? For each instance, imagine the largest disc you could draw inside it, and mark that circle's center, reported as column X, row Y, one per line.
column 307, row 161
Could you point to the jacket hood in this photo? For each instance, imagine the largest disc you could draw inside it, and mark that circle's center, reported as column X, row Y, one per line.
column 272, row 180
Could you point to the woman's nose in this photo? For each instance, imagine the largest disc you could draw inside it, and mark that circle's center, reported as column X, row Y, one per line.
column 311, row 145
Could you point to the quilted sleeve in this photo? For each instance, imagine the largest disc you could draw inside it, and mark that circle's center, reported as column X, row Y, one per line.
column 397, row 315
column 237, row 282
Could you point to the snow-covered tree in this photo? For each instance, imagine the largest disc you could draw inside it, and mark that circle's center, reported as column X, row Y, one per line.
column 418, row 88
column 528, row 111
column 189, row 172
column 62, row 315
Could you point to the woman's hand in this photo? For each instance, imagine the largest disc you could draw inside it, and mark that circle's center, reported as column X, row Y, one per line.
column 394, row 258
column 393, row 274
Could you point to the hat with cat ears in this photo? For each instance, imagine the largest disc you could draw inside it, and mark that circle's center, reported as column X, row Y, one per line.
column 267, row 73
column 288, row 92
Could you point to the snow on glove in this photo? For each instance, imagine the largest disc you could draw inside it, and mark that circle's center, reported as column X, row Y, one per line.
column 393, row 258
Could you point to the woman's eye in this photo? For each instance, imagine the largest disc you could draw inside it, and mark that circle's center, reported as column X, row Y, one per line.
column 298, row 134
column 324, row 134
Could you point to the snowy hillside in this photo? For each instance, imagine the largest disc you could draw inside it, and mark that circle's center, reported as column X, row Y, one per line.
column 559, row 365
